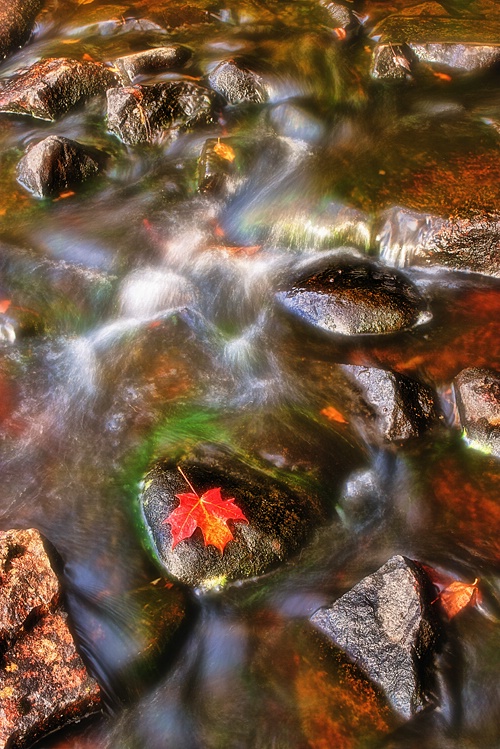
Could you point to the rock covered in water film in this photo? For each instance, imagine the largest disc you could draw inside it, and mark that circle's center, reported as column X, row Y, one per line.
column 44, row 684
column 51, row 87
column 278, row 520
column 236, row 84
column 386, row 626
column 354, row 298
column 468, row 243
column 401, row 407
column 151, row 61
column 477, row 392
column 138, row 114
column 56, row 164
column 16, row 22
column 216, row 171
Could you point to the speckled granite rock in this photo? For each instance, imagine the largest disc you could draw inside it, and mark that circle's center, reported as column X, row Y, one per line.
column 16, row 22
column 478, row 399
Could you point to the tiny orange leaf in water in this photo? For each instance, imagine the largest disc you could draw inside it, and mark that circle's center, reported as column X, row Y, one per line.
column 458, row 595
column 332, row 414
column 443, row 76
column 64, row 195
column 4, row 305
column 224, row 151
column 340, row 33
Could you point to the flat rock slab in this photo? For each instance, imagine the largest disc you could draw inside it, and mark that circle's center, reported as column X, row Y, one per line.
column 354, row 298
column 402, row 407
column 478, row 399
column 17, row 18
column 140, row 113
column 51, row 87
column 44, row 684
column 279, row 521
column 56, row 164
column 462, row 46
column 236, row 84
column 386, row 627
column 151, row 61
column 463, row 243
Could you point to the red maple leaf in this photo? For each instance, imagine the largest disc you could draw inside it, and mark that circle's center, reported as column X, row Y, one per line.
column 209, row 512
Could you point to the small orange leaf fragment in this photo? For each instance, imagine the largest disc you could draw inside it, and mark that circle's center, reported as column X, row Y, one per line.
column 457, row 595
column 443, row 77
column 67, row 194
column 340, row 33
column 332, row 414
column 4, row 305
column 88, row 57
column 224, row 151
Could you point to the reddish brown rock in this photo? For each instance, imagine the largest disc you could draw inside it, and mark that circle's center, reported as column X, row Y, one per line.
column 44, row 684
column 16, row 22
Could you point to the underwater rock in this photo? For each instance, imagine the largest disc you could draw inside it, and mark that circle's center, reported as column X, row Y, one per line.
column 353, row 298
column 17, row 18
column 236, row 84
column 49, row 88
column 344, row 22
column 55, row 164
column 402, row 407
column 294, row 121
column 279, row 519
column 44, row 684
column 477, row 392
column 456, row 45
column 386, row 626
column 137, row 114
column 155, row 60
column 470, row 244
column 215, row 171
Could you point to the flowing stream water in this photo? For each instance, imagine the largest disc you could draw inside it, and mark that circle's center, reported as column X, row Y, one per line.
column 143, row 320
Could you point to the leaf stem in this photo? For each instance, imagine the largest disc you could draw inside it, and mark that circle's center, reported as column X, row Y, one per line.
column 187, row 481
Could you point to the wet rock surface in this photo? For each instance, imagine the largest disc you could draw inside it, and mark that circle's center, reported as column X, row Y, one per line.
column 402, row 408
column 477, row 392
column 44, row 684
column 354, row 299
column 139, row 114
column 385, row 625
column 236, row 84
column 56, row 164
column 216, row 172
column 51, row 87
column 16, row 22
column 151, row 61
column 279, row 520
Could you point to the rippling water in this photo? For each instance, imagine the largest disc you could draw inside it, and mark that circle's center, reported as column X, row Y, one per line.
column 150, row 324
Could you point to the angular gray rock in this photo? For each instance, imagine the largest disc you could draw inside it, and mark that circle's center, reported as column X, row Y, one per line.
column 355, row 298
column 49, row 88
column 477, row 393
column 471, row 244
column 236, row 84
column 153, row 60
column 386, row 626
column 17, row 18
column 138, row 114
column 401, row 407
column 55, row 164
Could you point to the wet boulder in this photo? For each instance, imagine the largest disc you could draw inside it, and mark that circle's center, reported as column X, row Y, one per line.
column 138, row 114
column 216, row 167
column 463, row 243
column 344, row 22
column 152, row 61
column 237, row 84
column 398, row 407
column 56, row 164
column 278, row 520
column 44, row 684
column 16, row 22
column 353, row 298
column 386, row 626
column 477, row 392
column 51, row 87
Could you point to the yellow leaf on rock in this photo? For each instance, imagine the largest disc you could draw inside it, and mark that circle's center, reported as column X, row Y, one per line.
column 224, row 151
column 457, row 596
column 332, row 414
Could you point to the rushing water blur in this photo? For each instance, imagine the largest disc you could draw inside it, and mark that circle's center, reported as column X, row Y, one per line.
column 159, row 329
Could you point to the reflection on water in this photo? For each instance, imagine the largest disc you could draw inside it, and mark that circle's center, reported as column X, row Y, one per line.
column 142, row 321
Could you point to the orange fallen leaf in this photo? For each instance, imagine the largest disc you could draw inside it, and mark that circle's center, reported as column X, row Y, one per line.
column 64, row 195
column 332, row 414
column 4, row 305
column 88, row 57
column 340, row 33
column 443, row 76
column 458, row 595
column 224, row 151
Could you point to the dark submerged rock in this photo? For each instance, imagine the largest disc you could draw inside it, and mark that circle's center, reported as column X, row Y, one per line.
column 56, row 164
column 468, row 243
column 49, row 88
column 401, row 407
column 354, row 299
column 477, row 392
column 237, row 84
column 138, row 114
column 386, row 626
column 215, row 173
column 16, row 22
column 152, row 61
column 279, row 519
column 43, row 682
